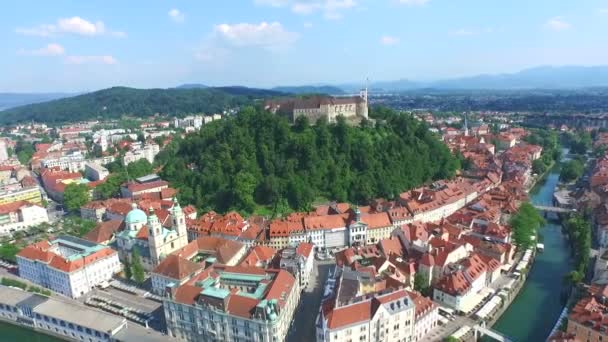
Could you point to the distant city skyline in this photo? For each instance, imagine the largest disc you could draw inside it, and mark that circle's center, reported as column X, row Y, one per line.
column 83, row 46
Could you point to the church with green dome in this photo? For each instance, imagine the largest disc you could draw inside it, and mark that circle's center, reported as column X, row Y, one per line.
column 144, row 233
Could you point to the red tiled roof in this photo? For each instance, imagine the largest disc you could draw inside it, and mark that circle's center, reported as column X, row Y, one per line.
column 241, row 306
column 103, row 231
column 142, row 234
column 326, row 222
column 350, row 314
column 40, row 251
column 186, row 294
column 176, row 267
column 136, row 187
column 379, row 220
column 13, row 207
column 304, row 249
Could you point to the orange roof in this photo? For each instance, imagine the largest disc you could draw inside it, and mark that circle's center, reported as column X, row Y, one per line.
column 326, row 222
column 13, row 207
column 103, row 231
column 176, row 267
column 350, row 314
column 374, row 221
column 40, row 251
column 304, row 249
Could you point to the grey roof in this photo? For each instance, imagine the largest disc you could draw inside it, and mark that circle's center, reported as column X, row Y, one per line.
column 80, row 315
column 138, row 333
column 12, row 297
column 62, row 309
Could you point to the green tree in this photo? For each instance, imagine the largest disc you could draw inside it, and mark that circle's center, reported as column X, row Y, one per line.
column 111, row 187
column 257, row 159
column 75, row 196
column 137, row 268
column 538, row 166
column 8, row 251
column 525, row 224
column 571, row 170
column 421, row 283
column 127, row 269
column 139, row 168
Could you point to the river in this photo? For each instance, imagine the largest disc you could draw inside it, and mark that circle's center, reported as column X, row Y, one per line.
column 534, row 312
column 13, row 333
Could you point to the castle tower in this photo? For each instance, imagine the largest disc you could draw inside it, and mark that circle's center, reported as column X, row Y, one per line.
column 466, row 124
column 363, row 107
column 179, row 223
column 155, row 236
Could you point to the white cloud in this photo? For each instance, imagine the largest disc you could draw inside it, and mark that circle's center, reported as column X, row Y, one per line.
column 74, row 25
column 414, row 2
column 307, row 24
column 272, row 3
column 603, row 10
column 268, row 35
column 389, row 40
column 49, row 50
column 462, row 32
column 331, row 9
column 557, row 24
column 176, row 15
column 106, row 59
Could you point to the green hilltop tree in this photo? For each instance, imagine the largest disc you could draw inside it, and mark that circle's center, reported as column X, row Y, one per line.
column 139, row 168
column 75, row 196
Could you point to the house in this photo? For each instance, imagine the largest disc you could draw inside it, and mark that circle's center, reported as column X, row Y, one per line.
column 299, row 261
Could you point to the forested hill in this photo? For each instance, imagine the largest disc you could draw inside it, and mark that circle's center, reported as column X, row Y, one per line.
column 119, row 101
column 257, row 160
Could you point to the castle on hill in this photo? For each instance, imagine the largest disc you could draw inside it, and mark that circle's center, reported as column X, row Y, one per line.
column 353, row 108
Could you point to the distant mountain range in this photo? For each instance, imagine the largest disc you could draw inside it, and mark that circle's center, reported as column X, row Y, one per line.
column 544, row 77
column 10, row 100
column 310, row 89
column 195, row 97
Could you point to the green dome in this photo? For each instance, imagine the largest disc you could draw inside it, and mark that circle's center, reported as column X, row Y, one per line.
column 136, row 216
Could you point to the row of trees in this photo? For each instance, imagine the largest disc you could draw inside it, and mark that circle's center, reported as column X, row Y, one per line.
column 134, row 270
column 258, row 159
column 525, row 224
column 549, row 140
column 578, row 228
column 579, row 142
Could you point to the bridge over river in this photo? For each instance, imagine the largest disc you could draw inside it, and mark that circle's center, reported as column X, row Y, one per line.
column 551, row 209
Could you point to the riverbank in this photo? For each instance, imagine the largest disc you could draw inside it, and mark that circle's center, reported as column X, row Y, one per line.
column 542, row 290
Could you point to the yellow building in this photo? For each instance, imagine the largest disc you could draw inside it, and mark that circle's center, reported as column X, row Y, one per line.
column 31, row 195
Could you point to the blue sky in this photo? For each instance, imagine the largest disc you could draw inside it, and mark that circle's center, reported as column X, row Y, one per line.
column 88, row 45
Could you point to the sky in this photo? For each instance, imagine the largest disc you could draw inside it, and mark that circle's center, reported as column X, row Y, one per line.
column 76, row 46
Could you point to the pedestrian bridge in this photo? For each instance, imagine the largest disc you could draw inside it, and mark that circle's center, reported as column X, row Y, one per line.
column 550, row 209
column 495, row 335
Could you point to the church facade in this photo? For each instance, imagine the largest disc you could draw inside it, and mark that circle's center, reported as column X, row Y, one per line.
column 147, row 235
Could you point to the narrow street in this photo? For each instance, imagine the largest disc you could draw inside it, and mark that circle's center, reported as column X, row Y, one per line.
column 303, row 324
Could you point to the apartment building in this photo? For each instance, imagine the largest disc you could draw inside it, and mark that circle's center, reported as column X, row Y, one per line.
column 68, row 265
column 232, row 304
column 21, row 215
column 388, row 315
